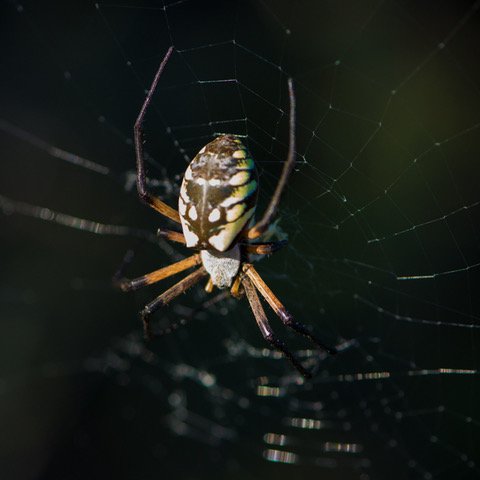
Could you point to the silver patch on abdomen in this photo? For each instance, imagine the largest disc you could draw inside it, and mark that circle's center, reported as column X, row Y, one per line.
column 222, row 266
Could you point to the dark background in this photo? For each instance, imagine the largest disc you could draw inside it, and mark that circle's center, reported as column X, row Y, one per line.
column 386, row 187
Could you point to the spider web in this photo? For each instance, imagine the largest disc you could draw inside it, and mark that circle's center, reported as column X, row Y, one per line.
column 381, row 214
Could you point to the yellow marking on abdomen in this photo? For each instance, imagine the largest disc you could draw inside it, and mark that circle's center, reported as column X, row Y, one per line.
column 235, row 212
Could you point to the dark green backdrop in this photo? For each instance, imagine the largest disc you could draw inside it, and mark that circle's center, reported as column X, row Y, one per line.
column 381, row 214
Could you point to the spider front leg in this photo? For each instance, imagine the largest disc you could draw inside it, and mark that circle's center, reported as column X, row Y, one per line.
column 265, row 328
column 144, row 195
column 280, row 310
column 166, row 297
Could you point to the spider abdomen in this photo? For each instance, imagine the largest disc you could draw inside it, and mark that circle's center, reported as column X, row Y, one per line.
column 218, row 194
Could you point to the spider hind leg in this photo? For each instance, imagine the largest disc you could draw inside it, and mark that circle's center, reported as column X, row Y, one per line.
column 286, row 318
column 266, row 330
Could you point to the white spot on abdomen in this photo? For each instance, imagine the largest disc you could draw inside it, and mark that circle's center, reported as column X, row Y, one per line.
column 192, row 212
column 188, row 174
column 191, row 238
column 214, row 215
column 182, row 208
column 240, row 178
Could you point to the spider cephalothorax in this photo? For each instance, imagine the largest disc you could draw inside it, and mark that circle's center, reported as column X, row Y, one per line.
column 215, row 208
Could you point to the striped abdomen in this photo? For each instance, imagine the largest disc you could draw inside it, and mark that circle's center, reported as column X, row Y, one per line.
column 218, row 194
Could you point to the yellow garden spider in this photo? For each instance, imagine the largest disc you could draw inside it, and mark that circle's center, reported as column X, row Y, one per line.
column 217, row 202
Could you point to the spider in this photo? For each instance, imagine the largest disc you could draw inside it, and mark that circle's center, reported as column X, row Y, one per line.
column 216, row 206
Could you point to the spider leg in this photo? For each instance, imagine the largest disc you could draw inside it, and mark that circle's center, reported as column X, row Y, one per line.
column 209, row 286
column 167, row 296
column 280, row 310
column 265, row 248
column 127, row 284
column 9, row 206
column 145, row 196
column 118, row 275
column 265, row 328
column 259, row 228
column 235, row 290
column 171, row 235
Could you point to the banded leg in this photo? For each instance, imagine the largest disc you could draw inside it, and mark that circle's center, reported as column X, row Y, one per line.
column 280, row 310
column 265, row 248
column 145, row 196
column 259, row 228
column 167, row 296
column 265, row 328
column 127, row 284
